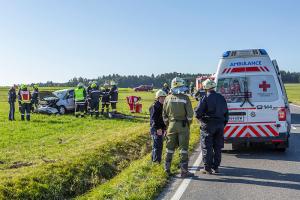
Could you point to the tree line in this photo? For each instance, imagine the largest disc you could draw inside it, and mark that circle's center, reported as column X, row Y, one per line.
column 157, row 81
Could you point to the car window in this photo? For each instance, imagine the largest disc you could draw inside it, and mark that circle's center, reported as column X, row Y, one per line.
column 263, row 88
column 233, row 89
column 59, row 94
column 71, row 94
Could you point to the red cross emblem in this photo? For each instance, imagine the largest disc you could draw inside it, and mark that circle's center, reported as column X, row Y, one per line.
column 264, row 86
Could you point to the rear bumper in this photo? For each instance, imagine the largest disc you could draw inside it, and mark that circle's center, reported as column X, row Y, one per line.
column 283, row 137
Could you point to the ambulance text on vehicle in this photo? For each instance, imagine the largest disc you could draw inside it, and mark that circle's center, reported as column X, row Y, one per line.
column 256, row 97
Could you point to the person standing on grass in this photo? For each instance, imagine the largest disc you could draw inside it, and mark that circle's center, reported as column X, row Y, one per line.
column 24, row 98
column 157, row 125
column 114, row 93
column 178, row 116
column 212, row 112
column 35, row 98
column 105, row 99
column 80, row 97
column 12, row 96
column 94, row 95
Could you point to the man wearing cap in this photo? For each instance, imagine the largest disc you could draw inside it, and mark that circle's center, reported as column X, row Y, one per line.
column 212, row 112
column 178, row 116
column 158, row 127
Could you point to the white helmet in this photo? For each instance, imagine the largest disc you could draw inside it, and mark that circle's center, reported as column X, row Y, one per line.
column 80, row 85
column 177, row 82
column 209, row 84
column 113, row 83
column 160, row 93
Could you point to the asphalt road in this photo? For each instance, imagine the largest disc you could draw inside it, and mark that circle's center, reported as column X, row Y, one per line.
column 253, row 173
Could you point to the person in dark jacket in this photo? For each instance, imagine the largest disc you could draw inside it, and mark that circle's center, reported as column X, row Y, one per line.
column 105, row 99
column 24, row 98
column 12, row 96
column 158, row 127
column 88, row 98
column 35, row 98
column 114, row 93
column 212, row 112
column 95, row 95
column 166, row 88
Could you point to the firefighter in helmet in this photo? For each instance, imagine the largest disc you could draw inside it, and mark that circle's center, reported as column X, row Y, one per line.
column 35, row 98
column 105, row 98
column 80, row 98
column 212, row 112
column 24, row 98
column 95, row 95
column 114, row 93
column 178, row 116
column 158, row 127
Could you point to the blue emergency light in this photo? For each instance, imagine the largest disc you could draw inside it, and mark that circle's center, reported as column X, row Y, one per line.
column 226, row 54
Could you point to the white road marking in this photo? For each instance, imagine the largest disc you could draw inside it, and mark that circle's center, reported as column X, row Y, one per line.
column 295, row 105
column 293, row 127
column 181, row 189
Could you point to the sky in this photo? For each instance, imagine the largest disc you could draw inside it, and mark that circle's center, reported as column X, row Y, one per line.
column 56, row 40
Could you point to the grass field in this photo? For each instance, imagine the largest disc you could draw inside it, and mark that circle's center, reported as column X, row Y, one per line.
column 58, row 157
column 293, row 92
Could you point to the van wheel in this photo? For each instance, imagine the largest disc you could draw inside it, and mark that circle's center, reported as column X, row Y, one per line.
column 282, row 147
column 62, row 110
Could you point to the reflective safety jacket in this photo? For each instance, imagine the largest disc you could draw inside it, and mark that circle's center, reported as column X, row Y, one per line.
column 24, row 96
column 79, row 94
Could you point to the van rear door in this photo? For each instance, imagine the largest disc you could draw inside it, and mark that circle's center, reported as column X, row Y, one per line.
column 264, row 90
column 231, row 83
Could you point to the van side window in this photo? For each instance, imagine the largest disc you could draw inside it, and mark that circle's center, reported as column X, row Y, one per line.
column 71, row 94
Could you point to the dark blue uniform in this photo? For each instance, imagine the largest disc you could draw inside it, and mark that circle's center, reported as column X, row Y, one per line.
column 35, row 99
column 212, row 112
column 95, row 95
column 105, row 100
column 114, row 93
column 12, row 96
column 156, row 123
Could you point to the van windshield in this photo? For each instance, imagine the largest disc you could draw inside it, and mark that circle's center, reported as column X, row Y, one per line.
column 260, row 88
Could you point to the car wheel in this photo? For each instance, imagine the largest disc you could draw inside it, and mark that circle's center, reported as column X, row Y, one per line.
column 62, row 110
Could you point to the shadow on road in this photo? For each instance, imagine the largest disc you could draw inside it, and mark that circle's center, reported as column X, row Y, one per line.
column 264, row 178
column 295, row 118
column 264, row 152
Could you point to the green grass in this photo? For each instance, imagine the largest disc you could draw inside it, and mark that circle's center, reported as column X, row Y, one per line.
column 293, row 92
column 63, row 149
column 141, row 180
column 59, row 157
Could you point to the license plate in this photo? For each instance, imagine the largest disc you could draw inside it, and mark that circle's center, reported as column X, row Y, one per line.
column 236, row 118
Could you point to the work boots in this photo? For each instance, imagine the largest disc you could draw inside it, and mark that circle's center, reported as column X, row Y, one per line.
column 169, row 157
column 28, row 117
column 184, row 171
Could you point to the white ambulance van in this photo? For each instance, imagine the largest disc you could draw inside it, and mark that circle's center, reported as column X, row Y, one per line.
column 258, row 105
